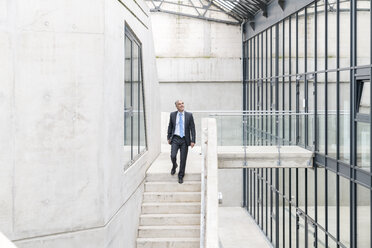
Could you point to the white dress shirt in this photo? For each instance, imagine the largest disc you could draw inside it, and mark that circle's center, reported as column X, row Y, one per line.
column 177, row 131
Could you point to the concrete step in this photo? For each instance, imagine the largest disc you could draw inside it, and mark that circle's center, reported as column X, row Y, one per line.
column 171, row 197
column 169, row 231
column 171, row 208
column 168, row 243
column 187, row 186
column 167, row 177
column 169, row 219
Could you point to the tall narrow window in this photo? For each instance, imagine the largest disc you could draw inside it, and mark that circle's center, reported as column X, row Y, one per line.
column 363, row 97
column 363, row 126
column 134, row 110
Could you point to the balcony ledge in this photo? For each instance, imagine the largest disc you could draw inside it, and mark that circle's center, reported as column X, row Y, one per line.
column 232, row 157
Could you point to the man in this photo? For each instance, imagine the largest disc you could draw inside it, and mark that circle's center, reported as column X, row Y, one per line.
column 181, row 135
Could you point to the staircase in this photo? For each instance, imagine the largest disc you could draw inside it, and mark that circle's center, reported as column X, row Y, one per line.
column 170, row 216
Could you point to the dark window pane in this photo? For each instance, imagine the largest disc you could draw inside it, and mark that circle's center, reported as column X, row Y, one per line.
column 321, row 189
column 364, row 103
column 280, row 48
column 286, row 46
column 345, row 211
column 363, row 32
column 135, row 100
column 301, row 41
column 310, row 193
column 310, row 37
column 134, row 115
column 301, row 107
column 363, row 145
column 143, row 143
column 293, row 44
column 332, row 34
column 127, row 102
column 345, row 33
column 320, row 35
column 332, row 204
column 363, row 216
column 332, row 115
column 344, row 133
column 321, row 112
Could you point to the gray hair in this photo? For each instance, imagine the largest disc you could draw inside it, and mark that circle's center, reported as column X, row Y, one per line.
column 175, row 103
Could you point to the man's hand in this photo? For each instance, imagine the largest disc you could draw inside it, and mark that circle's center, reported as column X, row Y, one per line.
column 192, row 144
column 169, row 141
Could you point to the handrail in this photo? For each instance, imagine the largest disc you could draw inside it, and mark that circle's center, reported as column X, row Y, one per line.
column 209, row 209
column 265, row 111
column 203, row 204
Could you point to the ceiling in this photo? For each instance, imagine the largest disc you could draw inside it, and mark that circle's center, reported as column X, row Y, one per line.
column 237, row 10
column 243, row 9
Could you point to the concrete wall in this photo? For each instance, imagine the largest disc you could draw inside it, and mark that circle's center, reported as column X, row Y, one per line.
column 199, row 62
column 230, row 184
column 62, row 182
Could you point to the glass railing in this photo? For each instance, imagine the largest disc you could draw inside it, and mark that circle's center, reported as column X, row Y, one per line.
column 229, row 127
column 258, row 128
column 279, row 128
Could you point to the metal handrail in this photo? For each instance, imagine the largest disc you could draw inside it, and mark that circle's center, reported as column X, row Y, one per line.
column 261, row 111
column 203, row 203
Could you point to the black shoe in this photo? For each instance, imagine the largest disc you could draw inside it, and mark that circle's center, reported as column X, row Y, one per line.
column 173, row 171
column 180, row 180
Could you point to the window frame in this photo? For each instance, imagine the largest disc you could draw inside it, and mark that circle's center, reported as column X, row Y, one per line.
column 136, row 150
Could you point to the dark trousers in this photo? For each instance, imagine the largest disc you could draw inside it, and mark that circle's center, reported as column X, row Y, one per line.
column 179, row 143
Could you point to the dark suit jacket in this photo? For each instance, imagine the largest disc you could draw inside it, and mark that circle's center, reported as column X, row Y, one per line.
column 189, row 127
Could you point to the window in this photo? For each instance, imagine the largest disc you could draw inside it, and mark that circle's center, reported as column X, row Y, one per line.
column 363, row 97
column 134, row 111
column 362, row 123
column 328, row 71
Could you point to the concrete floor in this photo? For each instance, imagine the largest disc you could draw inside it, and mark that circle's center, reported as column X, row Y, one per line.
column 163, row 162
column 237, row 229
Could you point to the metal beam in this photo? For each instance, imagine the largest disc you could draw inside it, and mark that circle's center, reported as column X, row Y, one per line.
column 197, row 17
column 263, row 7
column 251, row 23
column 275, row 14
column 200, row 9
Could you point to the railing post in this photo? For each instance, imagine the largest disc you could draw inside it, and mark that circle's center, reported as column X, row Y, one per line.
column 209, row 217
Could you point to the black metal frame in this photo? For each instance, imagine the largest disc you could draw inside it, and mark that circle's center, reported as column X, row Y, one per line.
column 266, row 190
column 135, row 154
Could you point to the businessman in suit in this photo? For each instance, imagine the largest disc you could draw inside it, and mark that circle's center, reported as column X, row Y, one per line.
column 181, row 135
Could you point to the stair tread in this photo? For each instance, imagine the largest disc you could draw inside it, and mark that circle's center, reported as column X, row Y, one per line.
column 167, row 173
column 170, row 215
column 174, row 182
column 171, row 192
column 168, row 239
column 171, row 176
column 171, row 203
column 189, row 227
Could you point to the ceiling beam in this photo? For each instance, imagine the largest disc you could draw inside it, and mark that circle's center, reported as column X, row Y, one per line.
column 281, row 4
column 263, row 7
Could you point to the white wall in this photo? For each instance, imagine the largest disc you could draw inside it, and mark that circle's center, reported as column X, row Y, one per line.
column 62, row 182
column 199, row 62
column 230, row 184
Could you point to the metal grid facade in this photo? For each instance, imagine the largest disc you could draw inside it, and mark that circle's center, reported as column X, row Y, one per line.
column 315, row 61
